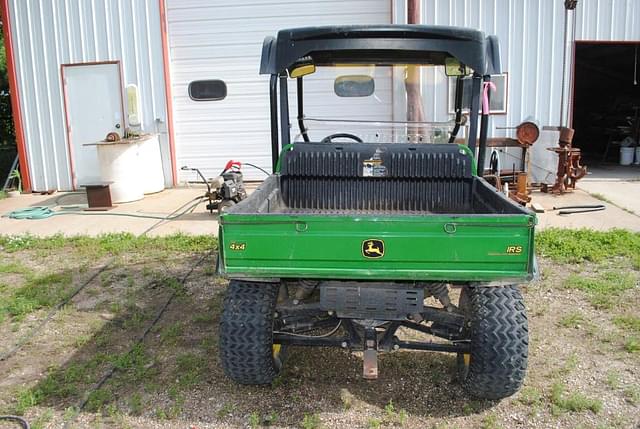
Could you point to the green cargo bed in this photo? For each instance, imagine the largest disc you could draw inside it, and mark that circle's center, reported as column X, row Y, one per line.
column 320, row 218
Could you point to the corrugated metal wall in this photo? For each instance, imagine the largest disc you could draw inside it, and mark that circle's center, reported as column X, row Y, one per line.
column 531, row 40
column 223, row 40
column 531, row 34
column 49, row 33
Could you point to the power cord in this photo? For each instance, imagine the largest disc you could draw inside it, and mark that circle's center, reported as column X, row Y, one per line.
column 19, row 420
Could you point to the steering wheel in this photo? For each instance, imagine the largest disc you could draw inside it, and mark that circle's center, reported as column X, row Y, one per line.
column 328, row 138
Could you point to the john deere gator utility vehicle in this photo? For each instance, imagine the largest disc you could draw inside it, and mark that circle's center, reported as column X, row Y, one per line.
column 375, row 220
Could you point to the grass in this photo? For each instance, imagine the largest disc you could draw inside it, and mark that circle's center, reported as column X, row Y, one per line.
column 628, row 323
column 604, row 289
column 632, row 345
column 37, row 292
column 311, row 421
column 530, row 396
column 573, row 402
column 490, row 421
column 13, row 268
column 171, row 333
column 112, row 244
column 190, row 368
column 567, row 245
column 572, row 320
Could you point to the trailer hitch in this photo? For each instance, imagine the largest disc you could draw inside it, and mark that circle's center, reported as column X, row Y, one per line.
column 370, row 358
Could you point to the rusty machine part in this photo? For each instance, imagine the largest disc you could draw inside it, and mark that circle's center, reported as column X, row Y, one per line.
column 112, row 137
column 569, row 168
column 521, row 193
column 527, row 132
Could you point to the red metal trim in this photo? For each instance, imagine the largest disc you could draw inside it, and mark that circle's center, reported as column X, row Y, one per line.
column 74, row 180
column 15, row 99
column 167, row 89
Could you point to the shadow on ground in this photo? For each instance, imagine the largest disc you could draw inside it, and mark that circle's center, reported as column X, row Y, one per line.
column 175, row 373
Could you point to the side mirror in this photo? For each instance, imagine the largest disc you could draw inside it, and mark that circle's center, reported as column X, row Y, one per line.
column 207, row 90
column 453, row 67
column 354, row 86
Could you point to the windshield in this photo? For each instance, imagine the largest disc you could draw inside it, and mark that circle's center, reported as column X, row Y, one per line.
column 376, row 103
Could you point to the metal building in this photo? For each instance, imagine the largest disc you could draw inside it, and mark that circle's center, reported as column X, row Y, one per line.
column 162, row 45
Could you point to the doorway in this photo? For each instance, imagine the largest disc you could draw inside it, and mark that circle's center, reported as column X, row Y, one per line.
column 606, row 98
column 94, row 107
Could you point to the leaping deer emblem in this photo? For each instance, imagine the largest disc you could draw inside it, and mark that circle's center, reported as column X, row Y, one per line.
column 373, row 249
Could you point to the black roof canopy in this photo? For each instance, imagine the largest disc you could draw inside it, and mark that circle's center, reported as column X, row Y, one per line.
column 419, row 44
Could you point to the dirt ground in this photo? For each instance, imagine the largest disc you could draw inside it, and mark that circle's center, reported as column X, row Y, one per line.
column 584, row 366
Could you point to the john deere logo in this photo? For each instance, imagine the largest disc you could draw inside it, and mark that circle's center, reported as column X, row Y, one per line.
column 373, row 248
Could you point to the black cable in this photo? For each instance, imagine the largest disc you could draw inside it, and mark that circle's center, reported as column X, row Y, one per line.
column 255, row 166
column 34, row 330
column 112, row 369
column 567, row 210
column 19, row 420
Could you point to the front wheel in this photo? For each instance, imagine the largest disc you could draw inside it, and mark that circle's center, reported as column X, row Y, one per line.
column 247, row 352
column 498, row 332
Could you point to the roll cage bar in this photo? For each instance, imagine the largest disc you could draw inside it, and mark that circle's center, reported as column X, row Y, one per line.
column 377, row 44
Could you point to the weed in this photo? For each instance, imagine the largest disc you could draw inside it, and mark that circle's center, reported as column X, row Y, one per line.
column 205, row 318
column 490, row 421
column 26, row 399
column 13, row 268
column 171, row 333
column 603, row 289
column 98, row 399
column 254, row 420
column 389, row 409
column 190, row 368
column 572, row 320
column 44, row 418
column 632, row 395
column 270, row 419
column 347, row 399
column 70, row 413
column 530, row 396
column 627, row 322
column 311, row 421
column 135, row 404
column 224, row 411
column 160, row 414
column 374, row 423
column 575, row 401
column 632, row 345
column 402, row 417
column 613, row 379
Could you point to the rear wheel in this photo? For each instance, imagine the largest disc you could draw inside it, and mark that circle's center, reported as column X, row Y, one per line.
column 247, row 351
column 498, row 331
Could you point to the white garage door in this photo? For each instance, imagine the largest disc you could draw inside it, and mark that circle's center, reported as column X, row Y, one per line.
column 223, row 40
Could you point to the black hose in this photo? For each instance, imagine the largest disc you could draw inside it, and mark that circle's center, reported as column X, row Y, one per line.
column 19, row 420
column 567, row 210
column 256, row 167
column 112, row 369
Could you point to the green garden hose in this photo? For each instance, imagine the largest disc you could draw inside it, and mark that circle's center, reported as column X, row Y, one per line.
column 44, row 212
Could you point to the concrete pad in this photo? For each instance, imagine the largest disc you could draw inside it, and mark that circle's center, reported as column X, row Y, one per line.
column 161, row 204
column 611, row 217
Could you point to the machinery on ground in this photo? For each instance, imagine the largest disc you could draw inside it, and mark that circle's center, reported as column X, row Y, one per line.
column 363, row 240
column 225, row 190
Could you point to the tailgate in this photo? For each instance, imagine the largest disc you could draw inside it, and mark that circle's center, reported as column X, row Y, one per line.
column 433, row 247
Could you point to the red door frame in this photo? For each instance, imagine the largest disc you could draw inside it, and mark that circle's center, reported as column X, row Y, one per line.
column 166, row 60
column 66, row 108
column 15, row 99
column 573, row 67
